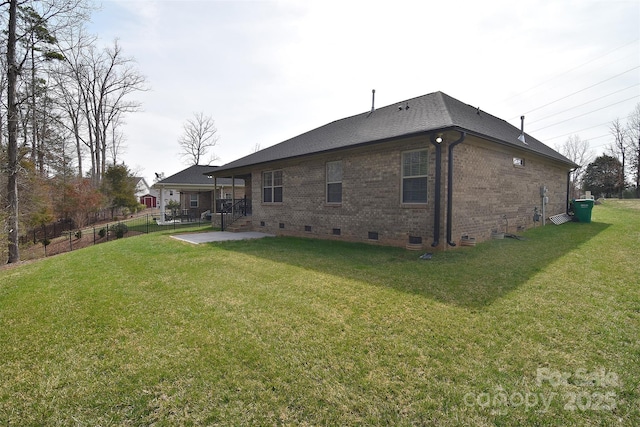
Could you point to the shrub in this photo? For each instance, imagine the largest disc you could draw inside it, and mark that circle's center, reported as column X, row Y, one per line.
column 45, row 243
column 79, row 234
column 102, row 232
column 120, row 229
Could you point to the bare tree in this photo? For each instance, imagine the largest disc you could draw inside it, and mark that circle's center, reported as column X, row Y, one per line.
column 68, row 79
column 199, row 136
column 38, row 24
column 618, row 149
column 633, row 128
column 112, row 78
column 579, row 152
column 45, row 18
column 94, row 88
column 12, row 144
column 117, row 141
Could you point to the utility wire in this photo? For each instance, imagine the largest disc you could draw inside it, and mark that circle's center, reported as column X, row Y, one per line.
column 583, row 89
column 593, row 111
column 581, row 130
column 572, row 69
column 585, row 103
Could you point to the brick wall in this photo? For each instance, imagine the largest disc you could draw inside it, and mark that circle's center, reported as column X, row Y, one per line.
column 491, row 193
column 487, row 187
column 370, row 197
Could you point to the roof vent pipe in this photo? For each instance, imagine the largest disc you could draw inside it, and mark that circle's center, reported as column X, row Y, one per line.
column 521, row 137
column 373, row 100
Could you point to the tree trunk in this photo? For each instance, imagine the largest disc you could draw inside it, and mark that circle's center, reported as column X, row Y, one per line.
column 12, row 128
column 34, row 138
column 637, row 161
column 78, row 151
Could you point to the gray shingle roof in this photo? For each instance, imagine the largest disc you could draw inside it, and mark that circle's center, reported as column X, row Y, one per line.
column 197, row 176
column 427, row 113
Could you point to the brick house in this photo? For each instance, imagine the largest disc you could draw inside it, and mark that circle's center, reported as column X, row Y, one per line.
column 196, row 191
column 426, row 171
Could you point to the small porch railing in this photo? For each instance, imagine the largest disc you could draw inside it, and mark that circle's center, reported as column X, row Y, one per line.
column 230, row 211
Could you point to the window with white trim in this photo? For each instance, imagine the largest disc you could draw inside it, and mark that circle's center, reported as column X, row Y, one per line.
column 334, row 182
column 414, row 176
column 272, row 187
column 193, row 200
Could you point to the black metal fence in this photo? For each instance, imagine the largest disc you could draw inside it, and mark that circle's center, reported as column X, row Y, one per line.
column 148, row 223
column 62, row 237
column 47, row 232
column 64, row 226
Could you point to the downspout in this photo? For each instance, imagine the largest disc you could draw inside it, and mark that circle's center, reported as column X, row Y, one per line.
column 450, row 186
column 438, row 183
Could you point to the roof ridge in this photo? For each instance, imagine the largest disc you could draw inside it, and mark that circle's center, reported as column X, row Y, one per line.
column 412, row 116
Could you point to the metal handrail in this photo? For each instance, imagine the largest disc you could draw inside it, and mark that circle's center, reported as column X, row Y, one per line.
column 232, row 212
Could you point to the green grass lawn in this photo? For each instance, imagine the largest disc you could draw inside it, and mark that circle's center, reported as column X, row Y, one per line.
column 152, row 331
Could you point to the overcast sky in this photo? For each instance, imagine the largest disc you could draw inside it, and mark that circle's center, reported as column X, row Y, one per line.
column 266, row 71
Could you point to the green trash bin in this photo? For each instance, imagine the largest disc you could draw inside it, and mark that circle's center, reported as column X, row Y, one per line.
column 582, row 209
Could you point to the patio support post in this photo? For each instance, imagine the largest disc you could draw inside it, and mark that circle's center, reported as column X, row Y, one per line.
column 161, row 203
column 215, row 198
column 233, row 196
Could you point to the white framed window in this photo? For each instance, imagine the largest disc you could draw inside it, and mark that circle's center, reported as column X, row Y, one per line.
column 193, row 200
column 272, row 185
column 334, row 182
column 414, row 176
column 518, row 162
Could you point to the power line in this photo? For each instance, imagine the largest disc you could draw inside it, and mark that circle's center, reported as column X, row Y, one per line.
column 583, row 104
column 581, row 130
column 572, row 69
column 583, row 89
column 593, row 111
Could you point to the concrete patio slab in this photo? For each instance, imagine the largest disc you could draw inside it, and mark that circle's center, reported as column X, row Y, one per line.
column 219, row 236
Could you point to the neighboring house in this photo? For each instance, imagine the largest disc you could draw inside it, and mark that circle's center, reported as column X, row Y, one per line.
column 141, row 186
column 426, row 171
column 196, row 191
column 149, row 201
column 143, row 192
